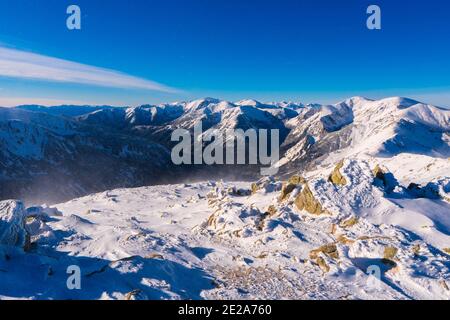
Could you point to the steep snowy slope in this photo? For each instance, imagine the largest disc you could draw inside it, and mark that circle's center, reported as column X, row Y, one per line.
column 220, row 115
column 397, row 125
column 357, row 126
column 49, row 158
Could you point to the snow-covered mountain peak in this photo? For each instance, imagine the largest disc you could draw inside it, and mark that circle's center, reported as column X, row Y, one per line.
column 356, row 101
column 289, row 105
column 201, row 103
column 248, row 102
column 400, row 102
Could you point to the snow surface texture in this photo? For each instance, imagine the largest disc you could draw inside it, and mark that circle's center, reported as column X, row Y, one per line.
column 219, row 240
column 375, row 204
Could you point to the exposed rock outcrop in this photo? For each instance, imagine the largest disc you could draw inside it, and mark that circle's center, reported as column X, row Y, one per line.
column 239, row 192
column 268, row 184
column 336, row 177
column 270, row 212
column 384, row 178
column 292, row 183
column 296, row 180
column 286, row 190
column 350, row 222
column 323, row 264
column 378, row 172
column 329, row 250
column 254, row 187
column 306, row 201
column 389, row 255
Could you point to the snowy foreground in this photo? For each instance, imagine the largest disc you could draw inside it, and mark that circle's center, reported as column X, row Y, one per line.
column 312, row 237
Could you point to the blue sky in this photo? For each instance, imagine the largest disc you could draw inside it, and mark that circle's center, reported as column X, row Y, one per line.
column 141, row 51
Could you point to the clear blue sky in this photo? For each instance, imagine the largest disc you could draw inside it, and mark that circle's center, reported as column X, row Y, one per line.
column 308, row 51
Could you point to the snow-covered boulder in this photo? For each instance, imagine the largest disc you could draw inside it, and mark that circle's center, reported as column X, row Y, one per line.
column 43, row 212
column 322, row 195
column 12, row 225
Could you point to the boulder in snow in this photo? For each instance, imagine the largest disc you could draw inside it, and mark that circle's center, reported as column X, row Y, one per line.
column 12, row 224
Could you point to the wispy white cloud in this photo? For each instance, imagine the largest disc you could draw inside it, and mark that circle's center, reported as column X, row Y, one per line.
column 22, row 64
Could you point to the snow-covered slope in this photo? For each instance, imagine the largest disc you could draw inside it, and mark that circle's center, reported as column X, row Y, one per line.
column 313, row 238
column 44, row 157
column 361, row 127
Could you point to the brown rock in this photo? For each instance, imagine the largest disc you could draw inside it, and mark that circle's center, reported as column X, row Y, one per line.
column 322, row 264
column 389, row 253
column 389, row 256
column 344, row 240
column 333, row 228
column 212, row 221
column 336, row 177
column 271, row 211
column 296, row 180
column 329, row 249
column 349, row 222
column 132, row 295
column 286, row 191
column 378, row 172
column 306, row 201
column 255, row 187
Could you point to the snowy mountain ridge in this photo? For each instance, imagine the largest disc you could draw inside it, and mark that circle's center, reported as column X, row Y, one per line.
column 67, row 141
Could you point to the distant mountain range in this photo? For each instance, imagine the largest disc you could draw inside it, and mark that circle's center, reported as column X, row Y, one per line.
column 57, row 153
